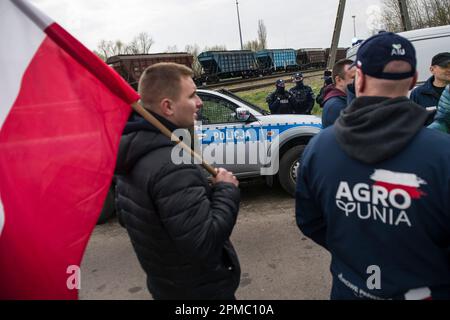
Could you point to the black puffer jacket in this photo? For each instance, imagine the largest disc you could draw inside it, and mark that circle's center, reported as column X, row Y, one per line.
column 179, row 226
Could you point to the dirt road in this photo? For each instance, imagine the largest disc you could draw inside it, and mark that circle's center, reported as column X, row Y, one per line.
column 277, row 261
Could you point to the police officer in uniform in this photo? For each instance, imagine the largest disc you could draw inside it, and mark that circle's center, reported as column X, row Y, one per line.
column 280, row 101
column 302, row 95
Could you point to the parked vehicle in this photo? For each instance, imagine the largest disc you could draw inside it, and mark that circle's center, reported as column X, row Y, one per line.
column 311, row 58
column 277, row 60
column 219, row 65
column 226, row 117
column 428, row 42
column 131, row 66
column 341, row 53
column 317, row 58
column 248, row 140
column 228, row 64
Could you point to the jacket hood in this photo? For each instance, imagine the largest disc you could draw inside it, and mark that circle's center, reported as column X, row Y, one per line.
column 139, row 138
column 331, row 91
column 374, row 129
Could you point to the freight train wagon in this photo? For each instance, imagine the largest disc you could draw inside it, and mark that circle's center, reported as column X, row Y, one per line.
column 277, row 60
column 341, row 53
column 130, row 67
column 311, row 58
column 228, row 64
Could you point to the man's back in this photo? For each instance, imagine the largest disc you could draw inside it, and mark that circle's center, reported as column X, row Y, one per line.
column 387, row 206
column 178, row 225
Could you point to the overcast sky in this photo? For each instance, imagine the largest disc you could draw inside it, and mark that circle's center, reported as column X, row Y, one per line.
column 290, row 23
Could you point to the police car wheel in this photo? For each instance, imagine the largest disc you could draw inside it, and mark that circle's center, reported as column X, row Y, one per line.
column 109, row 209
column 289, row 165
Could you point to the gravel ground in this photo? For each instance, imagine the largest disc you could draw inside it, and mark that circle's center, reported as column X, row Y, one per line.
column 277, row 261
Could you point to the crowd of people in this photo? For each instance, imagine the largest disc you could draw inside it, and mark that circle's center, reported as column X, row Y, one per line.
column 373, row 187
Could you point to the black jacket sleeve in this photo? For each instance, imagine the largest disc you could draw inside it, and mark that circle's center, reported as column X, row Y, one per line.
column 311, row 100
column 198, row 219
column 273, row 102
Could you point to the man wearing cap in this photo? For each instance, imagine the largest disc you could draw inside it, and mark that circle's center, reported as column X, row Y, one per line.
column 381, row 206
column 430, row 92
column 280, row 101
column 303, row 96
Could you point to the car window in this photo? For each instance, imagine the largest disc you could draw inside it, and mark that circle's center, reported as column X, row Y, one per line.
column 215, row 111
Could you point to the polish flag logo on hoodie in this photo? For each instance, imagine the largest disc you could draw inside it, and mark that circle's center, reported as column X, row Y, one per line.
column 408, row 182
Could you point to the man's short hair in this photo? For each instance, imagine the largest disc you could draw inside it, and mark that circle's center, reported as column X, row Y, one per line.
column 160, row 81
column 339, row 69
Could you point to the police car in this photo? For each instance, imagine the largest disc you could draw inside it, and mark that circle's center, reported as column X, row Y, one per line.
column 247, row 140
column 250, row 142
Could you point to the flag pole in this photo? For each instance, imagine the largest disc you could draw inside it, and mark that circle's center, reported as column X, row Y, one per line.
column 150, row 118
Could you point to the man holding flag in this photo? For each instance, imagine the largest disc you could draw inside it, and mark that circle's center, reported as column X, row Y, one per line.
column 178, row 224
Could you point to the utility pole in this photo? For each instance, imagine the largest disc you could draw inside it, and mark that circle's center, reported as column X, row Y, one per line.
column 406, row 20
column 239, row 23
column 354, row 26
column 336, row 34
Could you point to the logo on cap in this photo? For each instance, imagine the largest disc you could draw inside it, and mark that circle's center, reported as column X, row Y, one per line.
column 398, row 50
column 279, row 83
column 378, row 51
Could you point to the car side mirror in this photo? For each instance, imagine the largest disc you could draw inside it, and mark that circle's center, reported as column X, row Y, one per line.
column 242, row 115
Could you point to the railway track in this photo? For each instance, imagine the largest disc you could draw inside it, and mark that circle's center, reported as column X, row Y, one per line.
column 279, row 75
column 262, row 82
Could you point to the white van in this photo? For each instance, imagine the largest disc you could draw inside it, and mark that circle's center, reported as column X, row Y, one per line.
column 428, row 42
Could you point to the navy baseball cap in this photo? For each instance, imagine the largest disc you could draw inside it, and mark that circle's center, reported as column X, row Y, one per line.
column 376, row 52
column 280, row 83
column 441, row 59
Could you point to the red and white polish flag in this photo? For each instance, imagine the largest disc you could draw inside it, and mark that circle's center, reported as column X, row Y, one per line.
column 62, row 111
column 408, row 182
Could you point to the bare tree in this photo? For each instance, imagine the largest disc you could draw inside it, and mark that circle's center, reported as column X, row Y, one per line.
column 119, row 48
column 102, row 50
column 262, row 34
column 141, row 44
column 252, row 45
column 261, row 42
column 108, row 49
column 195, row 51
column 216, row 48
column 423, row 14
column 100, row 55
column 173, row 48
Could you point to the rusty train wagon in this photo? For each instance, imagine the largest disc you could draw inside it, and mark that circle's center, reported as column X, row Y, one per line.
column 341, row 53
column 130, row 67
column 311, row 58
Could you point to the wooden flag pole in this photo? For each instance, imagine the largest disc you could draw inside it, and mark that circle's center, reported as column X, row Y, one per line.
column 150, row 118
